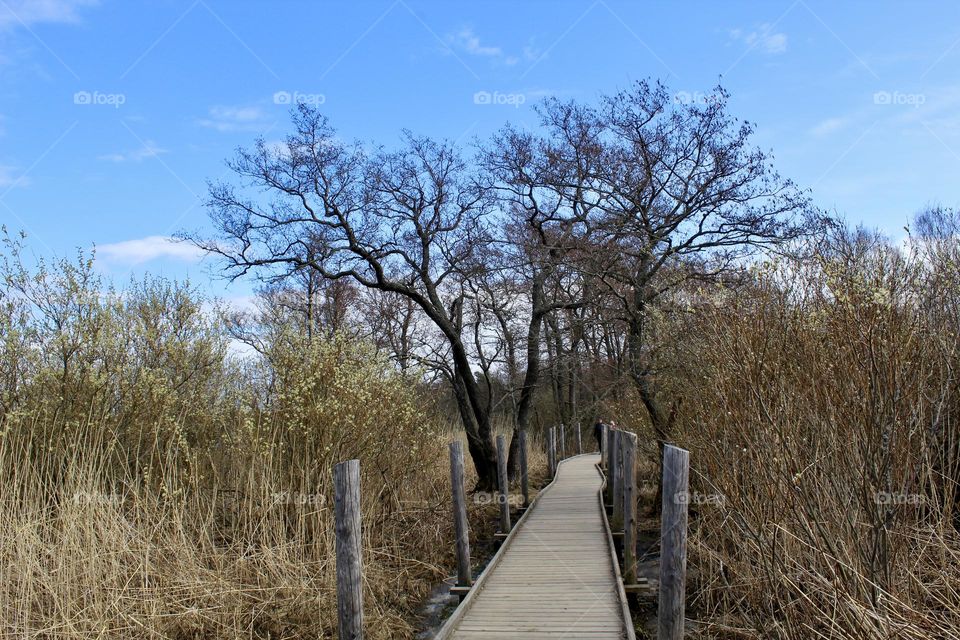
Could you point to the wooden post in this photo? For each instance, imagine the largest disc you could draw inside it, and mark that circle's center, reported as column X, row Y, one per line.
column 673, row 543
column 611, row 465
column 617, row 521
column 504, row 484
column 524, row 481
column 603, row 445
column 579, row 442
column 563, row 441
column 608, row 452
column 552, row 452
column 464, row 578
column 629, row 508
column 346, row 500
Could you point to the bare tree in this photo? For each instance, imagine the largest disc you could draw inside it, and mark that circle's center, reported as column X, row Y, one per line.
column 406, row 222
column 676, row 194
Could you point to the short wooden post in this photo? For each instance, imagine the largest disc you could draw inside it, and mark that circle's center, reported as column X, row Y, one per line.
column 673, row 543
column 464, row 577
column 504, row 484
column 629, row 508
column 579, row 443
column 346, row 500
column 617, row 521
column 563, row 441
column 524, row 479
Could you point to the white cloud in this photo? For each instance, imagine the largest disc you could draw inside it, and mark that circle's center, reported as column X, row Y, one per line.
column 762, row 39
column 466, row 41
column 133, row 252
column 15, row 13
column 830, row 125
column 148, row 150
column 232, row 118
column 10, row 177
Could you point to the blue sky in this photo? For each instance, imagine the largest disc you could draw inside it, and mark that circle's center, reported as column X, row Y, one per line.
column 115, row 113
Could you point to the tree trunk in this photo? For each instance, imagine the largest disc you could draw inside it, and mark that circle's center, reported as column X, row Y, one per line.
column 531, row 377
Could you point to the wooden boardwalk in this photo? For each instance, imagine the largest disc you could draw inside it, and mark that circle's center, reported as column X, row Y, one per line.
column 556, row 575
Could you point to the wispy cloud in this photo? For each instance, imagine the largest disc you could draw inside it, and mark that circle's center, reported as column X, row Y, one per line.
column 10, row 177
column 148, row 150
column 140, row 250
column 830, row 125
column 235, row 118
column 466, row 41
column 15, row 13
column 764, row 39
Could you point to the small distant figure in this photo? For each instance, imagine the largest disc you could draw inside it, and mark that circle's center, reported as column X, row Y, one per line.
column 598, row 434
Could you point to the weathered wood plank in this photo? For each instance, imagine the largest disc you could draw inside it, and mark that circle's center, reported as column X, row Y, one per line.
column 556, row 575
column 461, row 529
column 673, row 544
column 346, row 500
column 504, row 489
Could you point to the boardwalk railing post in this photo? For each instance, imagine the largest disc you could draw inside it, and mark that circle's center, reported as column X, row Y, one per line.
column 464, row 578
column 524, row 478
column 618, row 439
column 346, row 500
column 504, row 487
column 579, row 442
column 552, row 451
column 611, row 464
column 563, row 441
column 673, row 543
column 630, row 508
column 604, row 445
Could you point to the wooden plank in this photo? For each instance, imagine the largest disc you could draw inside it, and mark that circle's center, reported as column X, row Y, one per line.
column 346, row 499
column 461, row 528
column 673, row 544
column 629, row 457
column 504, row 489
column 524, row 479
column 555, row 575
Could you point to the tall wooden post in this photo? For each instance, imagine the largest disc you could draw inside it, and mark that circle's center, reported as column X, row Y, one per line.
column 524, row 478
column 504, row 484
column 629, row 508
column 464, row 578
column 604, row 438
column 617, row 521
column 611, row 464
column 563, row 441
column 579, row 442
column 552, row 452
column 673, row 543
column 346, row 500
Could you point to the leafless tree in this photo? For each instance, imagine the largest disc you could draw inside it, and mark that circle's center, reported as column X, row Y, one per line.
column 406, row 222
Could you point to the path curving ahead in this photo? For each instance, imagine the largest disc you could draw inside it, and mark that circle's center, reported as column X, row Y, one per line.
column 555, row 576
